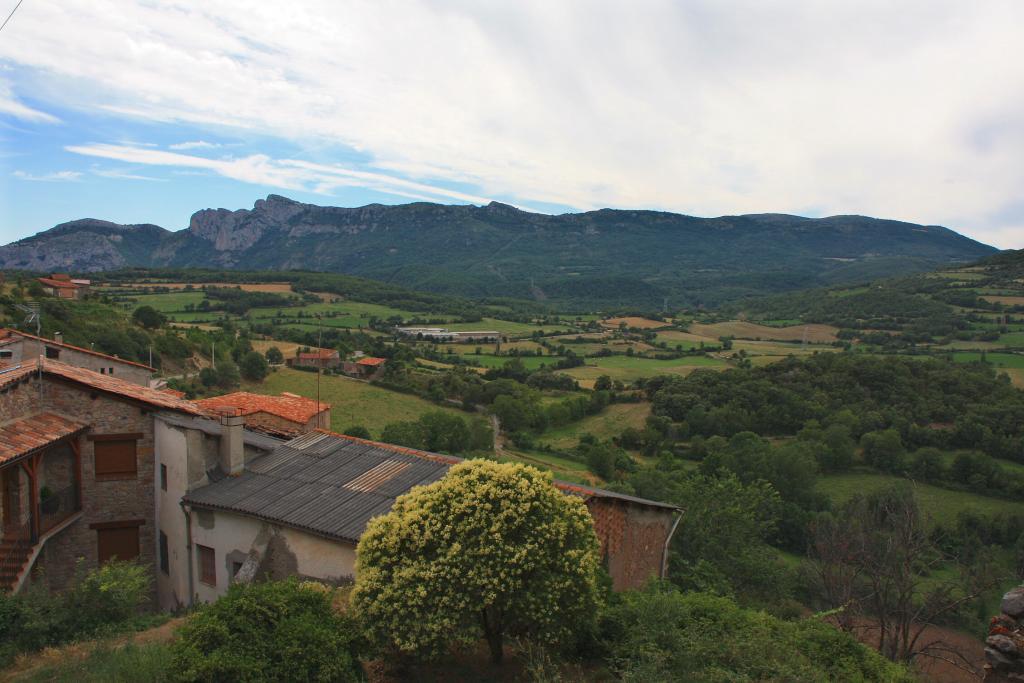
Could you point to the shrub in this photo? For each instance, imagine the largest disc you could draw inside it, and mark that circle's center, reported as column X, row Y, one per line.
column 100, row 601
column 661, row 634
column 490, row 550
column 274, row 631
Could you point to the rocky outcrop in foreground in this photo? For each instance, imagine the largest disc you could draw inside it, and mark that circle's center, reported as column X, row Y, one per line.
column 1004, row 647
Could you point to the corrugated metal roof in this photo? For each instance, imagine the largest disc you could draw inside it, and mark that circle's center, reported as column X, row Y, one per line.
column 332, row 485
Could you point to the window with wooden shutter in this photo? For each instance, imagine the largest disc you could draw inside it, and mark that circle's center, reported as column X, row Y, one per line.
column 115, row 458
column 207, row 565
column 121, row 542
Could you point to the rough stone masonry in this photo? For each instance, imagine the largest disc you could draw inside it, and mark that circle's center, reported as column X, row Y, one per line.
column 1004, row 647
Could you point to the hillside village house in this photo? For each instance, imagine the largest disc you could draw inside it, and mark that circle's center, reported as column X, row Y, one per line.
column 17, row 346
column 317, row 358
column 93, row 466
column 364, row 367
column 62, row 286
column 287, row 415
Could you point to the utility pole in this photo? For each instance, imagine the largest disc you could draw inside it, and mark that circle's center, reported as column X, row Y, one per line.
column 213, row 355
column 319, row 365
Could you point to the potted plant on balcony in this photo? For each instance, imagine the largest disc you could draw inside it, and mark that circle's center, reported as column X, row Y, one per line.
column 48, row 503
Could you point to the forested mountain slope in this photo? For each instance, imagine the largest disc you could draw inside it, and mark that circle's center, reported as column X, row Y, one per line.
column 607, row 256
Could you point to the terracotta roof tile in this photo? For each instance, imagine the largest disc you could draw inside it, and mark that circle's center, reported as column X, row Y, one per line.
column 120, row 387
column 4, row 333
column 29, row 434
column 59, row 284
column 319, row 354
column 371, row 361
column 13, row 374
column 289, row 406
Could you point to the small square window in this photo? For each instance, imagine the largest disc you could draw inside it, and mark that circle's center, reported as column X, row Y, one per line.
column 103, row 371
column 52, row 353
column 110, row 371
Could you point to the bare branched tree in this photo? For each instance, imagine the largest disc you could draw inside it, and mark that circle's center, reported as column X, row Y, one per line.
column 878, row 561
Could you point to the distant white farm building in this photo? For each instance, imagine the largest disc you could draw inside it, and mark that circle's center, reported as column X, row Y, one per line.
column 443, row 334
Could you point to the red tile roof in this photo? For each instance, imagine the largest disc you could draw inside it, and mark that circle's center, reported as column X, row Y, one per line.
column 289, row 406
column 15, row 373
column 59, row 284
column 371, row 361
column 119, row 387
column 6, row 332
column 34, row 433
column 64, row 277
column 173, row 392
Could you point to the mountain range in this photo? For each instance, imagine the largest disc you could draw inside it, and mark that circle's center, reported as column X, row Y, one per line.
column 625, row 257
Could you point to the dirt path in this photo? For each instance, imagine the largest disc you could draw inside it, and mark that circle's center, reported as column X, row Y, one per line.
column 26, row 664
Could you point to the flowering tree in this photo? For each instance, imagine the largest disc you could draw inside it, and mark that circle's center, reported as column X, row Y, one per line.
column 492, row 549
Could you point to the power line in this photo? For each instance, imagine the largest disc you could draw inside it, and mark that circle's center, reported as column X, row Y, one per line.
column 11, row 14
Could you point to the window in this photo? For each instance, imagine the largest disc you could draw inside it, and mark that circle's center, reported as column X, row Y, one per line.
column 110, row 371
column 235, row 568
column 165, row 562
column 207, row 565
column 6, row 354
column 115, row 456
column 103, row 371
column 117, row 540
column 52, row 353
column 163, row 477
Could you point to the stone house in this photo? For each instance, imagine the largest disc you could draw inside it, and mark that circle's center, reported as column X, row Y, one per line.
column 62, row 286
column 287, row 415
column 17, row 347
column 365, row 367
column 77, row 470
column 323, row 359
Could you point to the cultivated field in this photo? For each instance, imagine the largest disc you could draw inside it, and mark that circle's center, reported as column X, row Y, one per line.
column 278, row 287
column 627, row 368
column 820, row 334
column 352, row 402
column 1005, row 300
column 637, row 322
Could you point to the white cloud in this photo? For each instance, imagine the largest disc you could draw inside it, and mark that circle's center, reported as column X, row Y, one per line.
column 55, row 177
column 911, row 110
column 12, row 106
column 288, row 174
column 124, row 175
column 194, row 144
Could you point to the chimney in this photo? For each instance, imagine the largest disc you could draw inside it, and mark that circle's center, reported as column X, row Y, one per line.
column 232, row 448
column 58, row 337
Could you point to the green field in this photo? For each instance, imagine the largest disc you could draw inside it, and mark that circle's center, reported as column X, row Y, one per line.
column 562, row 468
column 999, row 360
column 352, row 402
column 1014, row 339
column 531, row 362
column 629, row 368
column 941, row 504
column 610, row 422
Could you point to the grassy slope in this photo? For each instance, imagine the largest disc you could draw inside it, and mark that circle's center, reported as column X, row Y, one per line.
column 352, row 402
column 609, row 423
column 943, row 505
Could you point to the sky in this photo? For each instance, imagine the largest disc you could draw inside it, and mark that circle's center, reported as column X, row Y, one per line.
column 147, row 111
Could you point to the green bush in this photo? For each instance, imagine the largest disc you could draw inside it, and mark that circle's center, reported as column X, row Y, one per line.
column 661, row 634
column 274, row 631
column 101, row 601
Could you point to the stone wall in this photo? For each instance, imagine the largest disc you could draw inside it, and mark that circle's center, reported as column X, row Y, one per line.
column 103, row 501
column 1004, row 647
column 129, row 372
column 632, row 539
